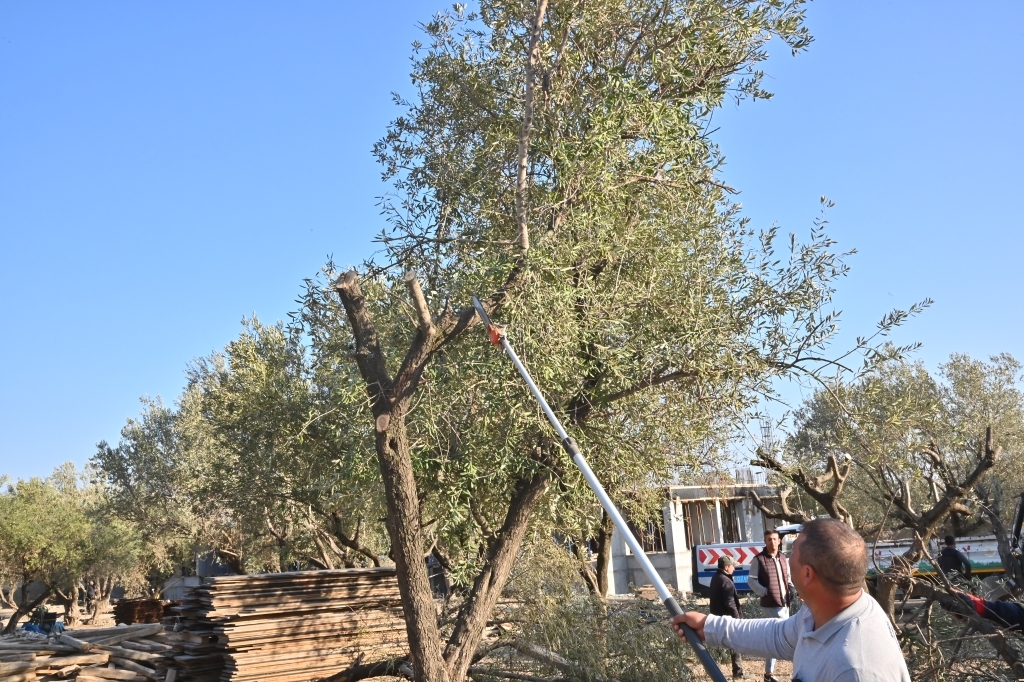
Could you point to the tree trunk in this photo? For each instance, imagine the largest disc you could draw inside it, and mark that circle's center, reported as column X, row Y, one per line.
column 101, row 602
column 926, row 523
column 604, row 554
column 26, row 607
column 69, row 600
column 491, row 580
column 885, row 593
column 7, row 598
column 390, row 399
column 588, row 574
column 1011, row 565
column 403, row 524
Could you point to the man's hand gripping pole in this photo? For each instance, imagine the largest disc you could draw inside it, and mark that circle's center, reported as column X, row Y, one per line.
column 497, row 337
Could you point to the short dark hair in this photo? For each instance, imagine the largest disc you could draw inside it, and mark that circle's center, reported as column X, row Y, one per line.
column 950, row 540
column 771, row 531
column 836, row 553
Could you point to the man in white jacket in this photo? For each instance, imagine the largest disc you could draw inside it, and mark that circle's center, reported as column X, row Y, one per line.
column 841, row 635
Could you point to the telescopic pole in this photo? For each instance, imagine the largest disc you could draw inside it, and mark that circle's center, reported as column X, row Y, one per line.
column 497, row 336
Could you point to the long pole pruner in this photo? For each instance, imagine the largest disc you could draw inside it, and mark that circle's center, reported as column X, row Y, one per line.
column 497, row 337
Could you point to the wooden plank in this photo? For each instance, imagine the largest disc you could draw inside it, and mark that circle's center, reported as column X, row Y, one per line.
column 129, row 654
column 36, row 647
column 112, row 674
column 65, row 638
column 136, row 633
column 21, row 677
column 69, row 671
column 148, row 673
column 79, row 659
column 287, row 627
column 95, row 633
column 17, row 667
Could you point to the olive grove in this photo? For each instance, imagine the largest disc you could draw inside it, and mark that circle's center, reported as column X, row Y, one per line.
column 556, row 160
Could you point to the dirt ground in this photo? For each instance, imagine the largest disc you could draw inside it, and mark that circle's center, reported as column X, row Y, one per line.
column 754, row 668
column 103, row 620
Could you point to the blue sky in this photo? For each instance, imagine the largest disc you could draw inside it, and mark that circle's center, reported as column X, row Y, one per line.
column 166, row 169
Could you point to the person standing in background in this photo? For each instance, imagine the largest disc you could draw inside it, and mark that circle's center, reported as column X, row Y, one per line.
column 770, row 579
column 724, row 601
column 952, row 561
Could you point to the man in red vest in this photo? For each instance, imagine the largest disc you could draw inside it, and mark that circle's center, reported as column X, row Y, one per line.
column 770, row 580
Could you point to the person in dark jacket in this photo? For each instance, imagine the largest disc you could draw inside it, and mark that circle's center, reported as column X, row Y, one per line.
column 1005, row 614
column 90, row 596
column 725, row 601
column 953, row 561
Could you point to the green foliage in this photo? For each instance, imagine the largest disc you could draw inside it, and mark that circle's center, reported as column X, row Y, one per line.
column 292, row 457
column 154, row 477
column 57, row 530
column 901, row 425
column 651, row 313
column 623, row 639
column 648, row 309
column 260, row 461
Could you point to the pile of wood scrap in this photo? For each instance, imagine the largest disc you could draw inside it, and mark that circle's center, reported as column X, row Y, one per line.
column 127, row 652
column 287, row 627
column 130, row 611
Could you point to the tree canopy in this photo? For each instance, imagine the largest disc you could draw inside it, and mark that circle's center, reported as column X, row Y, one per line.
column 558, row 161
column 58, row 531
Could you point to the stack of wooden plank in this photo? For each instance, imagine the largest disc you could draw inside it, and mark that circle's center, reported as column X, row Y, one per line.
column 139, row 611
column 288, row 627
column 128, row 652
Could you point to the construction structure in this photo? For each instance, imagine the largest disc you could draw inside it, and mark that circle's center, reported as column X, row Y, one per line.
column 692, row 515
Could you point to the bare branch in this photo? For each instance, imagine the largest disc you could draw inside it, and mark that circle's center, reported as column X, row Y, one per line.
column 522, row 161
column 543, row 655
column 369, row 356
column 484, row 672
column 419, row 302
column 786, row 514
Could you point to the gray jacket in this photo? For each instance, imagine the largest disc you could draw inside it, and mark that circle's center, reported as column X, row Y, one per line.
column 858, row 645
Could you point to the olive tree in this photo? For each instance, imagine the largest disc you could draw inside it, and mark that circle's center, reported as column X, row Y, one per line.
column 902, row 450
column 55, row 531
column 556, row 161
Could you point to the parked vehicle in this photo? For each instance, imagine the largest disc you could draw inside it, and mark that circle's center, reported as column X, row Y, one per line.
column 982, row 552
column 705, row 563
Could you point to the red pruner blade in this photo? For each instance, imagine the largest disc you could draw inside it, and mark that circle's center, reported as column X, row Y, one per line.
column 494, row 332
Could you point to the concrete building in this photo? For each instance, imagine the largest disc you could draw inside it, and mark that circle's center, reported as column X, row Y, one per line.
column 692, row 515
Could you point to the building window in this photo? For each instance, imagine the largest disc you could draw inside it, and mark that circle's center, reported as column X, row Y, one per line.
column 650, row 535
column 730, row 522
column 699, row 521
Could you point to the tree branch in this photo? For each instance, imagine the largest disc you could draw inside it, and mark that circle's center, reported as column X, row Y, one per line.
column 351, row 541
column 501, row 554
column 997, row 637
column 654, row 378
column 786, row 514
column 419, row 302
column 369, row 356
column 522, row 157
